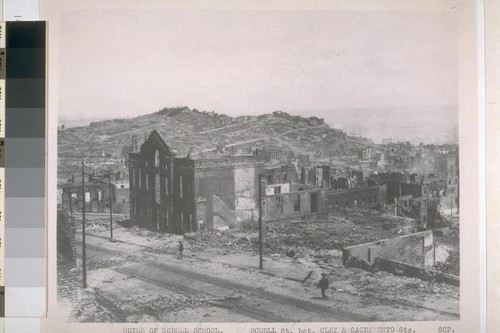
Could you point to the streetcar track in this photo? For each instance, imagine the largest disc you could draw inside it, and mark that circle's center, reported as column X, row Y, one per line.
column 338, row 314
column 304, row 305
column 241, row 309
column 273, row 297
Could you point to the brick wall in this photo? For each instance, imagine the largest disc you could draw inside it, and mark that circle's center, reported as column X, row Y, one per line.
column 358, row 197
column 415, row 249
column 66, row 243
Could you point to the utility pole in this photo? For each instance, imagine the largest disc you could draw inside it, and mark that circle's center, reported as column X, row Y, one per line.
column 110, row 206
column 261, row 266
column 101, row 177
column 451, row 210
column 327, row 210
column 84, row 257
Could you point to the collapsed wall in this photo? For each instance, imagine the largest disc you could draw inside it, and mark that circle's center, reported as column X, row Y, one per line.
column 416, row 249
column 411, row 255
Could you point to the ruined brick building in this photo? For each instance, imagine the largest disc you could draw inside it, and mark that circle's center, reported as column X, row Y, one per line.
column 161, row 188
column 358, row 197
column 225, row 191
column 97, row 196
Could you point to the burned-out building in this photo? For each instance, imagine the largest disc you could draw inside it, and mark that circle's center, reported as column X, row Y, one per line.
column 289, row 195
column 119, row 181
column 420, row 209
column 350, row 179
column 435, row 185
column 357, row 197
column 441, row 164
column 273, row 155
column 406, row 254
column 226, row 191
column 122, row 192
column 279, row 174
column 318, row 176
column 398, row 190
column 410, row 199
column 161, row 188
column 452, row 179
column 294, row 204
column 227, row 188
column 446, row 167
column 97, row 196
column 385, row 177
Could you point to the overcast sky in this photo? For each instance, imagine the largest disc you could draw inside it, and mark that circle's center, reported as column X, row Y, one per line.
column 128, row 63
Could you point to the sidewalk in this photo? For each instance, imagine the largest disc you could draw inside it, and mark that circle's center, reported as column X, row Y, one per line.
column 284, row 275
column 285, row 268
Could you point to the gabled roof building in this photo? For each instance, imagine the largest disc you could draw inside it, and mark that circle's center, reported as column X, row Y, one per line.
column 161, row 188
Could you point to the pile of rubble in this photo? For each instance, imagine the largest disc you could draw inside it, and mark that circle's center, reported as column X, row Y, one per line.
column 451, row 265
column 310, row 238
column 164, row 304
column 89, row 310
column 452, row 244
column 389, row 286
column 231, row 238
column 342, row 229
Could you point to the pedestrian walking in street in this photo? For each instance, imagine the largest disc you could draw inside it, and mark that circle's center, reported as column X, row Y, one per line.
column 323, row 284
column 181, row 249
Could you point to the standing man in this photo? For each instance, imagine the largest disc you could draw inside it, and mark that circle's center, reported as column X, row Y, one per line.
column 181, row 249
column 323, row 284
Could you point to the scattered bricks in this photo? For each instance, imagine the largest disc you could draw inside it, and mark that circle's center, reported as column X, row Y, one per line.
column 126, row 223
column 357, row 262
column 402, row 269
column 448, row 278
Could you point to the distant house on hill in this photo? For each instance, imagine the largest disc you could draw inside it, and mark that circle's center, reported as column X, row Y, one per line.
column 315, row 121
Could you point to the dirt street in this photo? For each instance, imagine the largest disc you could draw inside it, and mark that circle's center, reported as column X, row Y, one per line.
column 140, row 277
